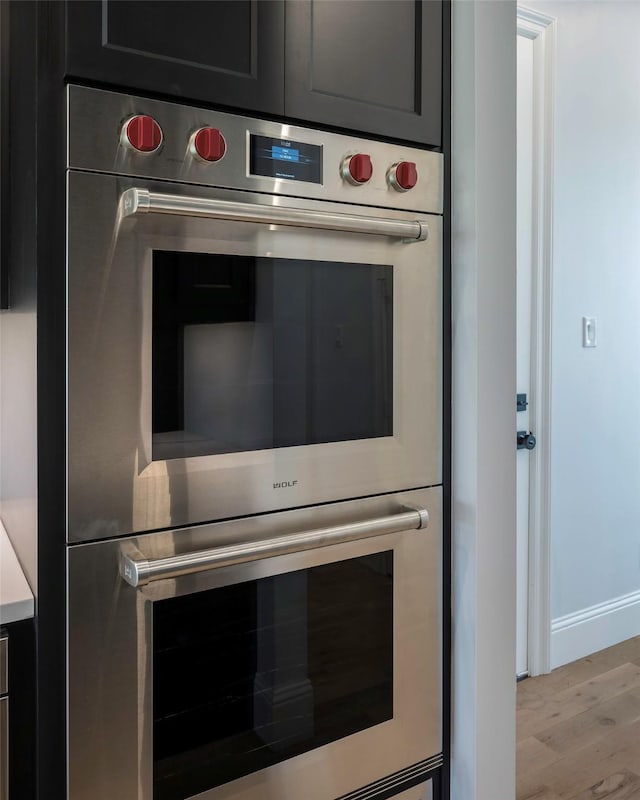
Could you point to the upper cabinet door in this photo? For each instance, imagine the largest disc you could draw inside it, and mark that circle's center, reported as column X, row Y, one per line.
column 368, row 65
column 226, row 52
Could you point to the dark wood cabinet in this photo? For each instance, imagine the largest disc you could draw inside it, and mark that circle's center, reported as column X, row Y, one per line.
column 368, row 65
column 227, row 52
column 17, row 710
column 373, row 66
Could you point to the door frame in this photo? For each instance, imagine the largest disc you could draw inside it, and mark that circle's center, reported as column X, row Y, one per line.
column 541, row 29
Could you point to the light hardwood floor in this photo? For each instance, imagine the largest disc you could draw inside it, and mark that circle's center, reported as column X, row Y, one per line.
column 578, row 729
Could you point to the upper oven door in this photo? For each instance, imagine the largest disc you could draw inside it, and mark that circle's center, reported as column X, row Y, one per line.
column 234, row 353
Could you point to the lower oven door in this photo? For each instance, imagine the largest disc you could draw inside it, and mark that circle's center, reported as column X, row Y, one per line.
column 313, row 673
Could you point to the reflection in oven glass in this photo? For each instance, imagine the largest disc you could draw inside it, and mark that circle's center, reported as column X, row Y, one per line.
column 258, row 353
column 249, row 675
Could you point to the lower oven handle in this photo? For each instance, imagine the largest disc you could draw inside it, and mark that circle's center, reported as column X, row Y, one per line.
column 139, row 571
column 141, row 201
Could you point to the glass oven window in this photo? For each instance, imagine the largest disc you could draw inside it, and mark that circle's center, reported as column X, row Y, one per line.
column 257, row 353
column 249, row 675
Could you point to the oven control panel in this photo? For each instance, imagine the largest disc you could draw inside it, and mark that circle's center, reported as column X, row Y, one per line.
column 155, row 139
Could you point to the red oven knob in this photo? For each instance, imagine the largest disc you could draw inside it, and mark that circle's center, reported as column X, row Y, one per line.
column 208, row 144
column 403, row 176
column 357, row 169
column 142, row 133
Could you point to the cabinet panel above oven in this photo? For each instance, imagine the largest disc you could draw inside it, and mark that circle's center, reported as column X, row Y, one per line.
column 374, row 66
column 229, row 53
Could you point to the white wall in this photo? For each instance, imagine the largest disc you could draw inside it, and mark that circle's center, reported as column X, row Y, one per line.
column 18, row 477
column 595, row 457
column 484, row 341
column 18, row 453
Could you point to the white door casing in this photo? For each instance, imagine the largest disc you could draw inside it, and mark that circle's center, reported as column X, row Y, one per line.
column 523, row 334
column 541, row 30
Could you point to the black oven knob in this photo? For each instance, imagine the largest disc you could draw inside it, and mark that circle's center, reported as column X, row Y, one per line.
column 357, row 169
column 142, row 134
column 403, row 176
column 208, row 144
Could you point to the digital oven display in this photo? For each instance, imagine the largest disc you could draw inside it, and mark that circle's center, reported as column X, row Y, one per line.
column 283, row 158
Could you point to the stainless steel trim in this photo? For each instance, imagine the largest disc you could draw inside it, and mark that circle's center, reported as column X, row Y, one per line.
column 396, row 780
column 4, row 665
column 142, row 201
column 138, row 572
column 422, row 791
column 4, row 748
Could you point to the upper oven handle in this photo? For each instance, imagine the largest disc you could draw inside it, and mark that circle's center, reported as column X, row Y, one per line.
column 141, row 201
column 139, row 571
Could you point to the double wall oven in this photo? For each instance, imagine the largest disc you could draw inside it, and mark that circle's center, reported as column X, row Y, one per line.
column 254, row 458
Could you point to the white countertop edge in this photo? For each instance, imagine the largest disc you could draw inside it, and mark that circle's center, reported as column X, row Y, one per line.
column 16, row 599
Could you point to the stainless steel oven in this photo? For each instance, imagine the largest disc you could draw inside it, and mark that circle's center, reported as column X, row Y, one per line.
column 294, row 654
column 254, row 316
column 254, row 458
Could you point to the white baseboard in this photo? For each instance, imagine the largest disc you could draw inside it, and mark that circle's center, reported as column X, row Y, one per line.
column 591, row 629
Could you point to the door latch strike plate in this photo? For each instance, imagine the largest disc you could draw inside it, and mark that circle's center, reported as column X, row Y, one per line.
column 525, row 441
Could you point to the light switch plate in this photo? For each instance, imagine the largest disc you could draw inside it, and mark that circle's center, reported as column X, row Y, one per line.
column 589, row 337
